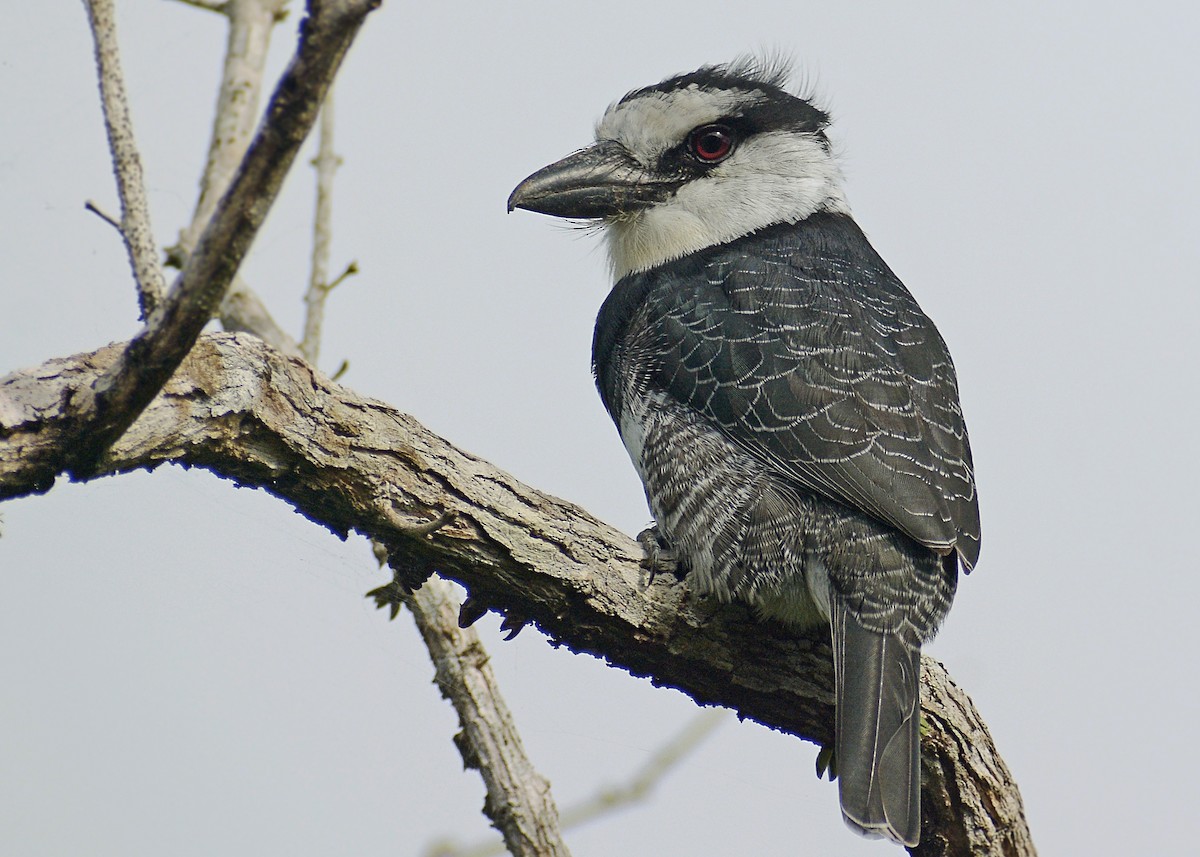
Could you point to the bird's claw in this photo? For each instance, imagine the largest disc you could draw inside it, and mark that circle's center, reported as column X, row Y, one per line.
column 827, row 762
column 657, row 556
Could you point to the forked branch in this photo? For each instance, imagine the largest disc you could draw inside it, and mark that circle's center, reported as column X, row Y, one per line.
column 110, row 406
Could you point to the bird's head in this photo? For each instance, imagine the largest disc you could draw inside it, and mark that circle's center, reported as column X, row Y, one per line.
column 695, row 161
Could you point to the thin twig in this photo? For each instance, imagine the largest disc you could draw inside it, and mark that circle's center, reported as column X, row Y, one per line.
column 103, row 215
column 348, row 272
column 319, row 286
column 221, row 6
column 111, row 406
column 644, row 780
column 611, row 798
column 127, row 163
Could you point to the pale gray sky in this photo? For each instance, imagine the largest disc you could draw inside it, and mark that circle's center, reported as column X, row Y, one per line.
column 192, row 669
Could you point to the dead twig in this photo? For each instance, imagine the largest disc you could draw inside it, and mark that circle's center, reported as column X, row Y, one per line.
column 649, row 775
column 220, row 6
column 134, row 224
column 319, row 286
column 610, row 798
column 104, row 215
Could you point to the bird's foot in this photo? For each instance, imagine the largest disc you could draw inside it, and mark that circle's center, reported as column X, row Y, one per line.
column 658, row 557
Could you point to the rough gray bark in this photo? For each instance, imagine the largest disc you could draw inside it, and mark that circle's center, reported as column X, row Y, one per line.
column 253, row 415
column 519, row 801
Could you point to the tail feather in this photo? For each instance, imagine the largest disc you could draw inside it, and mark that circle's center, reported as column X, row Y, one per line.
column 878, row 722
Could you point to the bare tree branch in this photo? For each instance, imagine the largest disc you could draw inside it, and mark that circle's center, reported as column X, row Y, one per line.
column 114, row 402
column 518, row 802
column 221, row 6
column 251, row 23
column 609, row 798
column 647, row 777
column 134, row 225
column 319, row 285
column 248, row 413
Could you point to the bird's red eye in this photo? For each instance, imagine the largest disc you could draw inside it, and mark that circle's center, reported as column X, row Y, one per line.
column 711, row 143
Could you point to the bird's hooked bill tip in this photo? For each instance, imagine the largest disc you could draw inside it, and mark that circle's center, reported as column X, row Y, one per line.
column 521, row 198
column 526, row 194
column 600, row 181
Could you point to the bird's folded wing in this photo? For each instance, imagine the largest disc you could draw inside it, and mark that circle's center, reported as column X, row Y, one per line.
column 844, row 387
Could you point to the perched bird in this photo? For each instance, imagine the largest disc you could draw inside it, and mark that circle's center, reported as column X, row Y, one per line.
column 792, row 412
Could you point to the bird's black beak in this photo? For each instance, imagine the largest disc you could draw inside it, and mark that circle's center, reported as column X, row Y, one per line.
column 603, row 180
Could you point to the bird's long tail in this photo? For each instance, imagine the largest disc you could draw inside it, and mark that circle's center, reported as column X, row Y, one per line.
column 878, row 722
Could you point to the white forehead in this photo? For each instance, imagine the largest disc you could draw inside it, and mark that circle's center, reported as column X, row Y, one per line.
column 651, row 123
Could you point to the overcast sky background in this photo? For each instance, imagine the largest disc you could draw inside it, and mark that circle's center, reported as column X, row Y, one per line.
column 189, row 668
